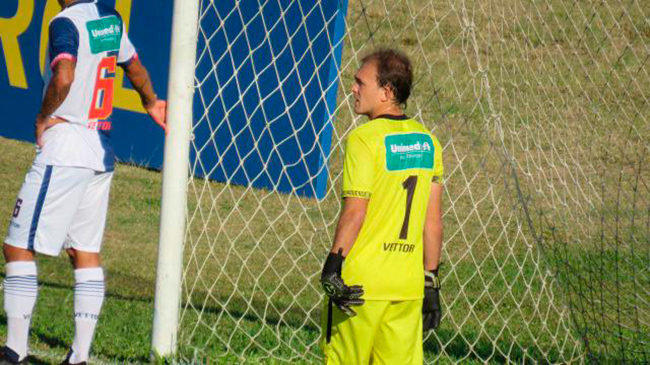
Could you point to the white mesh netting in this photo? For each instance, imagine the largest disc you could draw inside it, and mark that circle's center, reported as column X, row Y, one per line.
column 542, row 109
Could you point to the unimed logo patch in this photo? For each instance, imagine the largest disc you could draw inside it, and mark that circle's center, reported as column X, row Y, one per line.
column 104, row 34
column 409, row 151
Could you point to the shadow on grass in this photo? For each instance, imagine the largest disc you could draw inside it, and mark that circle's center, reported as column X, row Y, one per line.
column 60, row 342
column 49, row 341
column 109, row 293
column 466, row 345
column 481, row 349
column 34, row 360
column 293, row 318
column 57, row 343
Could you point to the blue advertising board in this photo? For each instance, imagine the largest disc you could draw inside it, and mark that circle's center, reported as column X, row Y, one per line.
column 269, row 75
column 23, row 34
column 266, row 71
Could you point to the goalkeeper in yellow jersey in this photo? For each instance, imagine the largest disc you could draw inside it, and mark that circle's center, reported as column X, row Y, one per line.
column 381, row 276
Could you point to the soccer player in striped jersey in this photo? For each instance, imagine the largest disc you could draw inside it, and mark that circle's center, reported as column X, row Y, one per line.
column 384, row 260
column 64, row 199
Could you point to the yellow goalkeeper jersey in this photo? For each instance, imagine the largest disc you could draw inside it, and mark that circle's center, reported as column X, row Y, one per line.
column 391, row 161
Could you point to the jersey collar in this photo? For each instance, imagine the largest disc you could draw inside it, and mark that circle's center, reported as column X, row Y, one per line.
column 392, row 117
column 80, row 2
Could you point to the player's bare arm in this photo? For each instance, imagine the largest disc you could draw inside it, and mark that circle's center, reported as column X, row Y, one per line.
column 57, row 91
column 347, row 230
column 349, row 225
column 139, row 77
column 432, row 240
column 433, row 229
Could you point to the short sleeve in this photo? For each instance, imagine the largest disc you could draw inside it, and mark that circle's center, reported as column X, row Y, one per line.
column 358, row 168
column 64, row 40
column 127, row 50
column 438, row 169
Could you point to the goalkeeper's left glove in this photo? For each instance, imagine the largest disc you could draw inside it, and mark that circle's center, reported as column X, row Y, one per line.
column 341, row 295
column 431, row 309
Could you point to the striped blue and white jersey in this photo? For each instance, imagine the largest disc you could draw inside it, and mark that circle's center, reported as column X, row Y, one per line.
column 93, row 36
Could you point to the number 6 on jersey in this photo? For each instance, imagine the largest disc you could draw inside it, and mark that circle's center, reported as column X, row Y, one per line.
column 102, row 105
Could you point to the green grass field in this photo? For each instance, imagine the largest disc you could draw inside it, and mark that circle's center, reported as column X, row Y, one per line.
column 543, row 110
column 269, row 304
column 129, row 260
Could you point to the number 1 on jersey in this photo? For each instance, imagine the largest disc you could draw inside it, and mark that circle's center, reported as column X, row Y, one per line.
column 102, row 105
column 408, row 184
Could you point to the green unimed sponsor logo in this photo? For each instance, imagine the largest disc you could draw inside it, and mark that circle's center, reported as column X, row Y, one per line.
column 409, row 151
column 104, row 34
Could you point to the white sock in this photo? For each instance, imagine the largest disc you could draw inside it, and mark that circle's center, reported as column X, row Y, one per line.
column 88, row 299
column 21, row 290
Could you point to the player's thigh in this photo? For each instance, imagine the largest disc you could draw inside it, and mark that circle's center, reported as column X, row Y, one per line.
column 87, row 229
column 351, row 338
column 399, row 336
column 46, row 206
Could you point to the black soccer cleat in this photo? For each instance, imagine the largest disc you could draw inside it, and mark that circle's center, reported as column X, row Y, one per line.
column 10, row 357
column 67, row 360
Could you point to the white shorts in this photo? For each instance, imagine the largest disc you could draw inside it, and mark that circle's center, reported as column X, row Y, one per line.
column 60, row 207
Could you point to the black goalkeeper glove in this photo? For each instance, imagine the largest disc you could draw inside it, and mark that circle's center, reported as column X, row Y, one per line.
column 431, row 310
column 341, row 295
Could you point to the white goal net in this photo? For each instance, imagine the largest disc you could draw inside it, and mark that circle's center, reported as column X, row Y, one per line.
column 542, row 109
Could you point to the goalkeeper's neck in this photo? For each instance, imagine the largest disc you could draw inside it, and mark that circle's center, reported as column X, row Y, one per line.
column 386, row 109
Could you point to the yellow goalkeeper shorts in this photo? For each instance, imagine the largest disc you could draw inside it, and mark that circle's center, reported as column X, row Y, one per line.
column 382, row 332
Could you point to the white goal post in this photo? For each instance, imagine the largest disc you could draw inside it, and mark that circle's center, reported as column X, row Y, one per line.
column 175, row 176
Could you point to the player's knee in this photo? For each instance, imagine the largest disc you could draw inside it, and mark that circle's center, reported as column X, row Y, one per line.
column 83, row 259
column 71, row 255
column 12, row 253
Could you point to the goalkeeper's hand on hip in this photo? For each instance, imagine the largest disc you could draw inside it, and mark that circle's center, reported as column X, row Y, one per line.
column 431, row 309
column 343, row 296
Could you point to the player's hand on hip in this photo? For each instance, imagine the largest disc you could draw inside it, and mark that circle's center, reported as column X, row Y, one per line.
column 343, row 296
column 42, row 124
column 158, row 112
column 431, row 309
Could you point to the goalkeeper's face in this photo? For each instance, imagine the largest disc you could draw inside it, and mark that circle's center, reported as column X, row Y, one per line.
column 369, row 97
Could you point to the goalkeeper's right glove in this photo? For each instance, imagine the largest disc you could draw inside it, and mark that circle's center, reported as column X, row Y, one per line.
column 341, row 295
column 431, row 309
